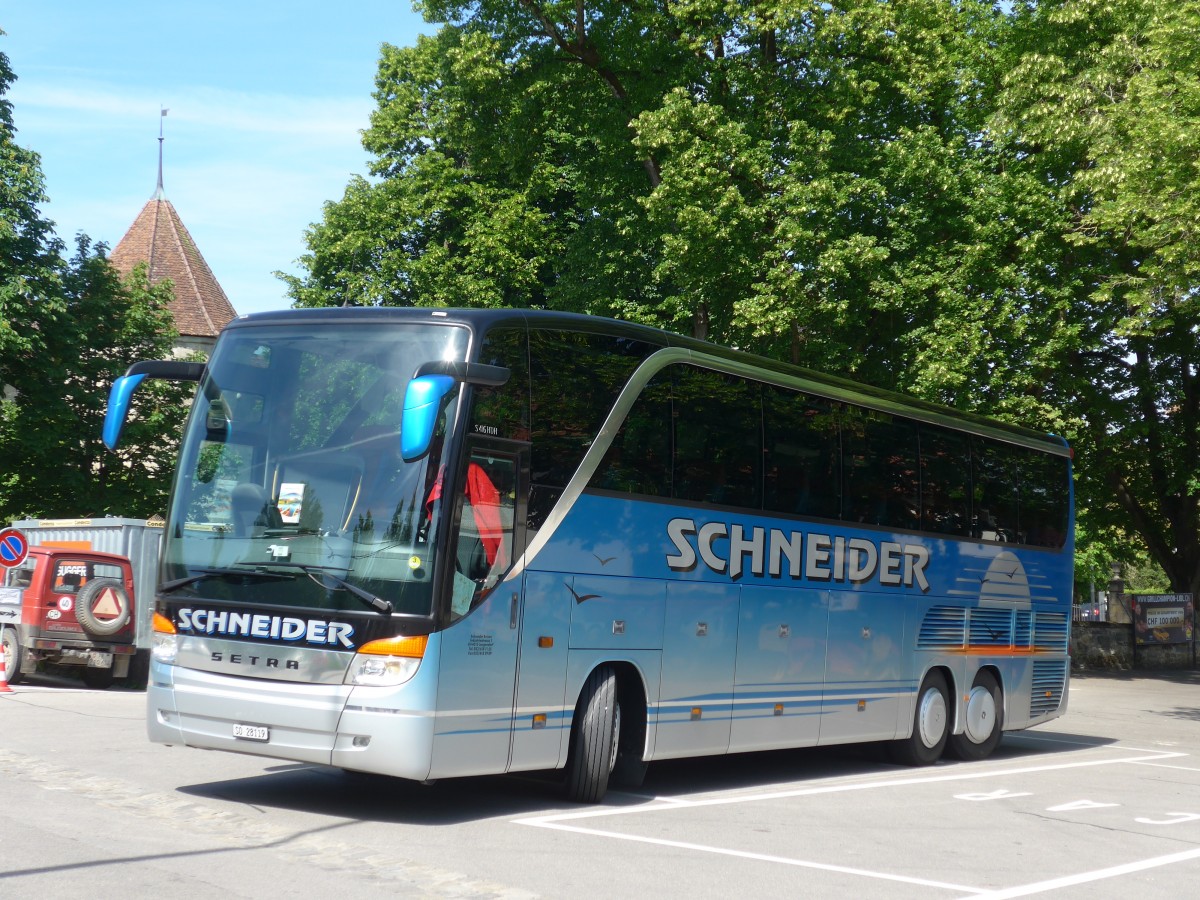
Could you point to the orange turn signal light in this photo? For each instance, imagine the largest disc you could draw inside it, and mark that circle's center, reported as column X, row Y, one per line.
column 411, row 647
column 162, row 625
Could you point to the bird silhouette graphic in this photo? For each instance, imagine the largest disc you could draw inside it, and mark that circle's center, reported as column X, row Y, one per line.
column 579, row 598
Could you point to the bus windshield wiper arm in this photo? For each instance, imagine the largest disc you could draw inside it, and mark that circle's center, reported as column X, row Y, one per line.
column 168, row 587
column 317, row 573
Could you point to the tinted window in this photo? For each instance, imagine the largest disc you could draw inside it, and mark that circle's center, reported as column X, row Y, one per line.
column 639, row 460
column 945, row 481
column 718, row 438
column 504, row 411
column 801, row 454
column 574, row 380
column 705, row 437
column 1044, row 498
column 879, row 469
column 994, row 491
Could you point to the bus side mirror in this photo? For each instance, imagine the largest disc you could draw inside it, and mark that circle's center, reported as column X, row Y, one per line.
column 422, row 403
column 121, row 392
column 118, row 408
column 424, row 395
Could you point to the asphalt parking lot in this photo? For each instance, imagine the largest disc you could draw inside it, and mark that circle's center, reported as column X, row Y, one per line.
column 1103, row 802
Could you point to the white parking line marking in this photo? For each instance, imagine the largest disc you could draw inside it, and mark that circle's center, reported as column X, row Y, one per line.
column 761, row 857
column 1080, row 804
column 1001, row 794
column 1160, row 766
column 1086, row 877
column 658, row 804
column 558, row 822
column 1179, row 819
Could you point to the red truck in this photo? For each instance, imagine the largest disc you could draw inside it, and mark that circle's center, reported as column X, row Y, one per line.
column 69, row 607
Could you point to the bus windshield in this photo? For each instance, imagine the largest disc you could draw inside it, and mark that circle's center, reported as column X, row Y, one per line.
column 291, row 489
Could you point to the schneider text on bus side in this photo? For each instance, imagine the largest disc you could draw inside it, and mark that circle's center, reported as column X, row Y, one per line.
column 813, row 556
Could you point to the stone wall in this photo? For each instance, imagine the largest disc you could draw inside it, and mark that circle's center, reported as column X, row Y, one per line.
column 1104, row 645
column 1101, row 645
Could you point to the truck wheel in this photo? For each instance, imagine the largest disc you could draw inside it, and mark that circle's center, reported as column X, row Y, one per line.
column 595, row 737
column 14, row 655
column 109, row 594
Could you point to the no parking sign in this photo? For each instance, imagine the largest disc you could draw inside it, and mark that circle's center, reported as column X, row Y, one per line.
column 14, row 547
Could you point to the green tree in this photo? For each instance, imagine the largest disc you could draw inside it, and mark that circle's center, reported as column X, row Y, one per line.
column 67, row 328
column 805, row 180
column 1103, row 109
column 30, row 254
column 52, row 433
column 993, row 210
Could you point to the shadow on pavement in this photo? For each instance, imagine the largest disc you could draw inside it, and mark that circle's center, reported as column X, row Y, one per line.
column 333, row 792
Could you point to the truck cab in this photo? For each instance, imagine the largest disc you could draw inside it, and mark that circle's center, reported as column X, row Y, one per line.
column 69, row 607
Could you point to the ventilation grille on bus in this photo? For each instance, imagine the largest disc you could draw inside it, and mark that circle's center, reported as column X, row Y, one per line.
column 991, row 627
column 1023, row 635
column 1049, row 679
column 944, row 628
column 1051, row 631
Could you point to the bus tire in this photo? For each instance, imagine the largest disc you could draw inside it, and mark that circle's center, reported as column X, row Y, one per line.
column 983, row 720
column 595, row 736
column 14, row 655
column 88, row 595
column 931, row 725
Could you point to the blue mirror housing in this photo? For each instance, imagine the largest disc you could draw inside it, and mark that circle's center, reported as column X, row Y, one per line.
column 122, row 390
column 422, row 403
column 118, row 408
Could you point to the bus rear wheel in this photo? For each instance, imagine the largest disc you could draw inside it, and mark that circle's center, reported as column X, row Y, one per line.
column 984, row 720
column 931, row 725
column 595, row 737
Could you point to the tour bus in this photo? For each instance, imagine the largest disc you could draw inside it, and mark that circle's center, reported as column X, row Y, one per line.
column 432, row 543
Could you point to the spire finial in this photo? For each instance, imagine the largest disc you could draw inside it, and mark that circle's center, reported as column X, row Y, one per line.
column 158, row 193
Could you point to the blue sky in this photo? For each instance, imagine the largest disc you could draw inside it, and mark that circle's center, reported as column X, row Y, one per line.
column 267, row 100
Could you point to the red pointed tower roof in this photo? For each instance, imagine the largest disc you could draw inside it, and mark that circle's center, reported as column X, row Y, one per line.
column 159, row 237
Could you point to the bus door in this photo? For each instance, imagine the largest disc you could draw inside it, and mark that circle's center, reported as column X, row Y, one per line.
column 477, row 678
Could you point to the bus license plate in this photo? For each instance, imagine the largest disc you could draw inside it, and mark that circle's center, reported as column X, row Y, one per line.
column 251, row 732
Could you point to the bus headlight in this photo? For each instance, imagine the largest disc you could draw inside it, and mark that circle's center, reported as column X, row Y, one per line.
column 387, row 662
column 165, row 642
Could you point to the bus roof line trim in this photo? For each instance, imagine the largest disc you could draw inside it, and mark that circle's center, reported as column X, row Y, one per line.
column 965, row 422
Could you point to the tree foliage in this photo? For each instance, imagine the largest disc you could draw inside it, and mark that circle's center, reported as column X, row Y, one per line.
column 1103, row 108
column 68, row 328
column 993, row 207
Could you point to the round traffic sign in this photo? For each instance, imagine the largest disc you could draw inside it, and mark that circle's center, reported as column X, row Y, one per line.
column 14, row 547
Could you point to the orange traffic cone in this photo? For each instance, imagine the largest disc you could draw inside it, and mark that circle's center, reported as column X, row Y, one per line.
column 4, row 688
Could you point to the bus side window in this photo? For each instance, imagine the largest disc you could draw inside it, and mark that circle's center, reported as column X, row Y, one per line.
column 484, row 550
column 879, row 469
column 945, row 481
column 994, row 491
column 718, row 438
column 803, row 469
column 639, row 460
column 1044, row 501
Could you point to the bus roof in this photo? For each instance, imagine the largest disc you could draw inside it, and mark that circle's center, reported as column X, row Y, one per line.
column 830, row 386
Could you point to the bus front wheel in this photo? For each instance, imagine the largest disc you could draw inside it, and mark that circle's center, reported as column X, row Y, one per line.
column 984, row 720
column 931, row 725
column 595, row 737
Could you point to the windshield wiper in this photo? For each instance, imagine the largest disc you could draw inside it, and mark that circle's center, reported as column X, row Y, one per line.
column 168, row 587
column 317, row 573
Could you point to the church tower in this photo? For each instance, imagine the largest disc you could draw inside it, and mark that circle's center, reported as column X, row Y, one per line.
column 159, row 238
